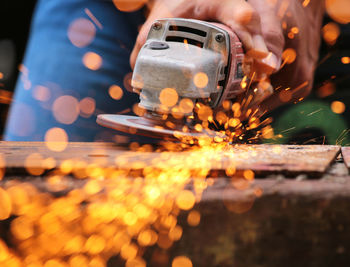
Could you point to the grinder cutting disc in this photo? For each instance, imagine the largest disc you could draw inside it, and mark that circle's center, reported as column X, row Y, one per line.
column 151, row 128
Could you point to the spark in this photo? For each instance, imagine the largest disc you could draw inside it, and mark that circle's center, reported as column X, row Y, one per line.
column 5, row 96
column 287, row 130
column 314, row 112
column 342, row 137
column 301, row 86
column 186, row 44
column 93, row 18
column 305, row 3
column 125, row 111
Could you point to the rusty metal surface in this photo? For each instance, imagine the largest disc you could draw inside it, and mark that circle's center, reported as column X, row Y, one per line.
column 258, row 158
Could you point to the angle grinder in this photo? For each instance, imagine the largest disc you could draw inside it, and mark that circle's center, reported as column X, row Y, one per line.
column 184, row 73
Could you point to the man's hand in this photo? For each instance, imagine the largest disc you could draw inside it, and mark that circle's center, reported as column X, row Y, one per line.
column 258, row 24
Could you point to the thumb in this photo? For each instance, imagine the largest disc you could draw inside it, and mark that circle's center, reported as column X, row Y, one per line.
column 158, row 11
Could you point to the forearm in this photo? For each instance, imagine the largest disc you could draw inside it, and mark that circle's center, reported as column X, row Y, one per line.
column 295, row 79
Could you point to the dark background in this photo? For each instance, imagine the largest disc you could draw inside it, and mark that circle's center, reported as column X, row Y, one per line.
column 15, row 17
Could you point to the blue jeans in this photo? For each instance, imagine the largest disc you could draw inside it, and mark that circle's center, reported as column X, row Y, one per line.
column 54, row 68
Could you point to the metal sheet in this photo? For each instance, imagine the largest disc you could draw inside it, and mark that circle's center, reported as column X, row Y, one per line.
column 150, row 128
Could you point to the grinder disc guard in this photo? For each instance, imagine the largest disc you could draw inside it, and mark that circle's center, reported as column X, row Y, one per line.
column 152, row 128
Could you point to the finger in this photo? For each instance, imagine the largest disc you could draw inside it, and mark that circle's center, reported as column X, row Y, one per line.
column 244, row 20
column 271, row 31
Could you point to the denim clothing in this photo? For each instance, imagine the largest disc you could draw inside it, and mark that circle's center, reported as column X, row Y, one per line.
column 53, row 67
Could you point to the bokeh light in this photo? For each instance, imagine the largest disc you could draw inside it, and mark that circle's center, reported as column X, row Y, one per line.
column 345, row 60
column 289, row 55
column 338, row 107
column 66, row 109
column 115, row 92
column 204, row 112
column 330, row 33
column 87, row 107
column 41, row 93
column 5, row 205
column 56, row 139
column 327, row 89
column 185, row 200
column 339, row 10
column 129, row 5
column 81, row 32
column 168, row 97
column 193, row 218
column 92, row 61
column 181, row 261
column 249, row 175
column 200, row 80
column 34, row 164
column 186, row 105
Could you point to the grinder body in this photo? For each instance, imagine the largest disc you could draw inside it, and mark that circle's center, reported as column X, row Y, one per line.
column 176, row 51
column 201, row 61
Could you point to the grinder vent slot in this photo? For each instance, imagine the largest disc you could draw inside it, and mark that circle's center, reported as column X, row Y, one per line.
column 180, row 39
column 222, row 83
column 187, row 29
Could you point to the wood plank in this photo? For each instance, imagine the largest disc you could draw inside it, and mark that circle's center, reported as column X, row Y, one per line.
column 235, row 227
column 345, row 151
column 305, row 218
column 312, row 159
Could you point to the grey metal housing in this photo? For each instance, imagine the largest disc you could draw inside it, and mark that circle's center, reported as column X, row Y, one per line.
column 175, row 51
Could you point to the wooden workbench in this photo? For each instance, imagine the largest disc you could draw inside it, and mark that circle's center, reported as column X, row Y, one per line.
column 262, row 205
